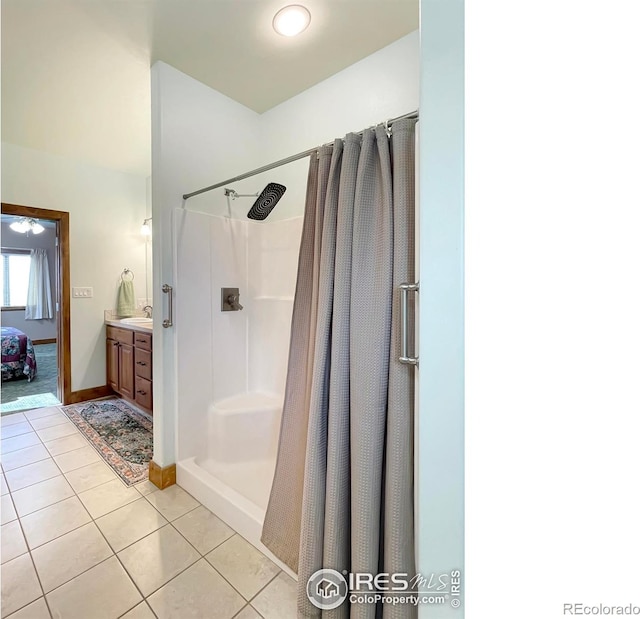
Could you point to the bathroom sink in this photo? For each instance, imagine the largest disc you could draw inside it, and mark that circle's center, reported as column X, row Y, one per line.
column 145, row 322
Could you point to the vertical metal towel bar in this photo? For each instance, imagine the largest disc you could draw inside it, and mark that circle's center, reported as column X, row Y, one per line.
column 405, row 289
column 168, row 322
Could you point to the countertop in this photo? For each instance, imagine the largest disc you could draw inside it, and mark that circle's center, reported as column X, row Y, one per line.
column 129, row 326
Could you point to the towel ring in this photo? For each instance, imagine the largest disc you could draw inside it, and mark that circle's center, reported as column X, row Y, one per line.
column 127, row 272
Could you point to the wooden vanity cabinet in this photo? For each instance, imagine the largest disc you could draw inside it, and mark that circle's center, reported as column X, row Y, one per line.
column 129, row 369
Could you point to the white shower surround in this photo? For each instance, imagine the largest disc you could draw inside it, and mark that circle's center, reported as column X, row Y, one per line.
column 237, row 385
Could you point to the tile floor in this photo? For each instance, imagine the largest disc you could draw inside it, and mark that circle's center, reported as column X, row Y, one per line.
column 78, row 544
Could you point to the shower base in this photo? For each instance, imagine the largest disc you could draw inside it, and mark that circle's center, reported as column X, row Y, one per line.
column 233, row 479
column 250, row 479
column 235, row 509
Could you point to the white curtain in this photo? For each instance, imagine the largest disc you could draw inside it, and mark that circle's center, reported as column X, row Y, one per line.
column 39, row 301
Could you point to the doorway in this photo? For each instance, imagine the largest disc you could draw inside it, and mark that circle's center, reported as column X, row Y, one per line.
column 52, row 354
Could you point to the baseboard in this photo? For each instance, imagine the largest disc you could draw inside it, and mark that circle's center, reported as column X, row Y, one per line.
column 89, row 394
column 50, row 340
column 162, row 476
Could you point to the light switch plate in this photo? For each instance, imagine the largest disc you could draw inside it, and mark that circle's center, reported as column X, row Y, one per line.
column 84, row 292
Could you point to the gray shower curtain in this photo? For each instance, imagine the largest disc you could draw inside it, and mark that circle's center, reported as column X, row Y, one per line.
column 342, row 494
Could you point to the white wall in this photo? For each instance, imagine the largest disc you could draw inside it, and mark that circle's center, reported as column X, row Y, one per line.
column 106, row 211
column 440, row 433
column 198, row 136
column 201, row 137
column 36, row 329
column 381, row 86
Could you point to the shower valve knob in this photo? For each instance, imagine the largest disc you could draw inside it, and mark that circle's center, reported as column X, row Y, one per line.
column 231, row 300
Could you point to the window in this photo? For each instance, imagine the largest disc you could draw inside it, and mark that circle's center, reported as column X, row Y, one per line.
column 14, row 276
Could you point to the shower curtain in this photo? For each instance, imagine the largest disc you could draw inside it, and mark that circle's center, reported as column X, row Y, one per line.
column 39, row 300
column 342, row 494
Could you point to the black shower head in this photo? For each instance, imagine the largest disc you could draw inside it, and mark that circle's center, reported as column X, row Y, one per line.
column 266, row 201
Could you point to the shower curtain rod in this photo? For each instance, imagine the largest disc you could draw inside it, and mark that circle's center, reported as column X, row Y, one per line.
column 277, row 164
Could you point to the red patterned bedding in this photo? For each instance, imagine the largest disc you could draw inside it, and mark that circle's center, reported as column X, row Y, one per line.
column 18, row 355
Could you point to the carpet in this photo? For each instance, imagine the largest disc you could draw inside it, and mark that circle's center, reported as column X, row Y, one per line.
column 18, row 395
column 120, row 433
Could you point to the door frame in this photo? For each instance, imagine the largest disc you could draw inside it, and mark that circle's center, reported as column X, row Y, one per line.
column 63, row 284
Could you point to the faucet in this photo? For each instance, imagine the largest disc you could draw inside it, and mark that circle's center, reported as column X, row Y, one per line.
column 230, row 300
column 234, row 302
column 148, row 310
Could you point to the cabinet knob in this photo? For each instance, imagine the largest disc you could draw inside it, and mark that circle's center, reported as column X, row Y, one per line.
column 141, row 392
column 141, row 363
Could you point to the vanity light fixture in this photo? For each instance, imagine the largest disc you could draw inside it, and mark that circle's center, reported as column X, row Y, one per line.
column 291, row 20
column 26, row 224
column 146, row 227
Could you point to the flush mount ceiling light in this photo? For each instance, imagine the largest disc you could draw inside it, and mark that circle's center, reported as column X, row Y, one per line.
column 291, row 20
column 26, row 224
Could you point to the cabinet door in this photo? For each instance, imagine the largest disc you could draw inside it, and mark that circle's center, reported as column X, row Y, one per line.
column 126, row 375
column 144, row 395
column 112, row 364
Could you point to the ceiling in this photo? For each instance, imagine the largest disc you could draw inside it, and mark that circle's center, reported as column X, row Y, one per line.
column 75, row 73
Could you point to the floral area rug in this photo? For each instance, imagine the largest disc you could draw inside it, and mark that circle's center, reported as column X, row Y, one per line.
column 122, row 435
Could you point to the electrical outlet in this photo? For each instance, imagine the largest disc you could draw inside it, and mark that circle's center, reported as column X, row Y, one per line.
column 82, row 292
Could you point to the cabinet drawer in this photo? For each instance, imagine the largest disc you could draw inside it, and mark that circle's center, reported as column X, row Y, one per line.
column 142, row 340
column 121, row 335
column 144, row 393
column 143, row 363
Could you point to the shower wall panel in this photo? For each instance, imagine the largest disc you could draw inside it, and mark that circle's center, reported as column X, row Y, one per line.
column 273, row 261
column 229, row 270
column 193, row 316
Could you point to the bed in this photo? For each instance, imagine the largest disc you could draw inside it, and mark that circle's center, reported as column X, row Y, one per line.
column 18, row 355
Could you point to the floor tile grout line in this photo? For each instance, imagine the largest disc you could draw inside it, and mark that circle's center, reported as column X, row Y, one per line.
column 31, row 421
column 28, row 410
column 43, row 443
column 174, row 577
column 12, row 451
column 270, row 581
column 28, row 463
column 48, row 478
column 138, row 540
column 57, row 438
column 64, row 452
column 50, row 504
column 135, row 584
column 200, row 555
column 223, row 576
column 66, row 582
column 210, row 551
column 19, row 433
column 143, row 601
column 176, row 518
column 33, row 565
column 248, row 605
column 115, row 554
column 62, row 534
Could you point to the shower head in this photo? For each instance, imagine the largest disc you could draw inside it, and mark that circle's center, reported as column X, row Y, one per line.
column 266, row 201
